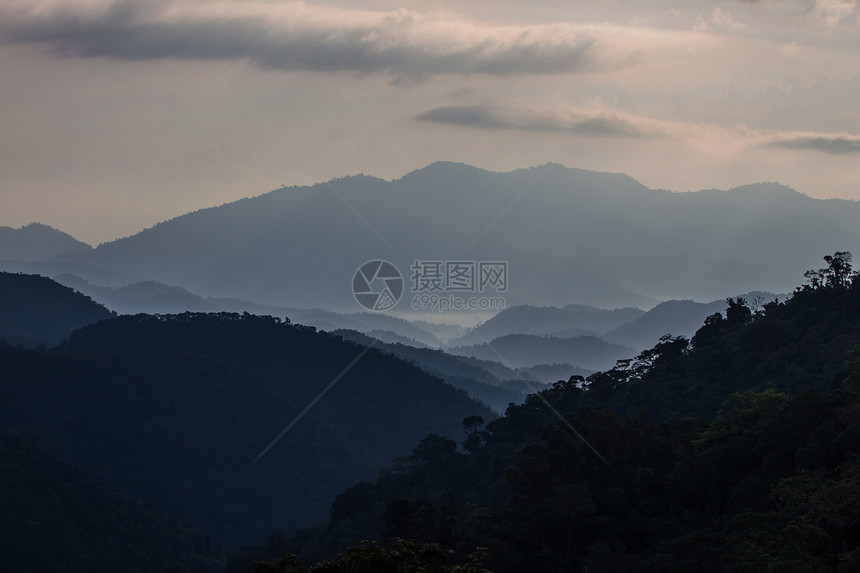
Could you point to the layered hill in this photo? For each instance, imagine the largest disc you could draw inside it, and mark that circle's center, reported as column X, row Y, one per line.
column 490, row 382
column 37, row 242
column 525, row 350
column 594, row 238
column 176, row 408
column 156, row 298
column 36, row 310
column 733, row 451
column 675, row 317
column 566, row 322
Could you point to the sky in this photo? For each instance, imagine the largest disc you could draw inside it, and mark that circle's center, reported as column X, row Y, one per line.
column 117, row 115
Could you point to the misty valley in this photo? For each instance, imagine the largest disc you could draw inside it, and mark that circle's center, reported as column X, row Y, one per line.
column 673, row 383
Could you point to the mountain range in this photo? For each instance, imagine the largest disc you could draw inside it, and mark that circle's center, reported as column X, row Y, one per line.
column 568, row 321
column 525, row 350
column 157, row 298
column 568, row 235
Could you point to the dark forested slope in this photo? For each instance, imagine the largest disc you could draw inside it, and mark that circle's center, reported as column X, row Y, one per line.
column 55, row 516
column 35, row 310
column 737, row 451
column 176, row 408
column 381, row 400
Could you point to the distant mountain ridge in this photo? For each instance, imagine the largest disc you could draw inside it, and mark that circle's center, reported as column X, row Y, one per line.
column 487, row 380
column 630, row 327
column 676, row 317
column 566, row 322
column 528, row 350
column 596, row 238
column 156, row 298
column 37, row 242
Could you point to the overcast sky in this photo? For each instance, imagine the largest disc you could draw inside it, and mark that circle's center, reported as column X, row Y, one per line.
column 117, row 115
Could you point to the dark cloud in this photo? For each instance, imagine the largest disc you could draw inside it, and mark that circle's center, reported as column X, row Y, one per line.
column 144, row 31
column 465, row 115
column 833, row 144
column 605, row 124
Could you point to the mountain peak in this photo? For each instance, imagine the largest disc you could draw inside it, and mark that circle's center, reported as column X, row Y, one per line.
column 37, row 241
column 444, row 169
column 768, row 188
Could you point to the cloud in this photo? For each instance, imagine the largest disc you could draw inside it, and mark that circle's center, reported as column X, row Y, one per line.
column 835, row 144
column 725, row 20
column 720, row 20
column 606, row 123
column 300, row 36
column 598, row 122
column 834, row 12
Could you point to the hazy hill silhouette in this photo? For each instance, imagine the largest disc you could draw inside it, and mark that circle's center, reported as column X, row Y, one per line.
column 150, row 297
column 525, row 350
column 675, row 317
column 36, row 310
column 140, row 297
column 394, row 338
column 368, row 322
column 571, row 320
column 594, row 238
column 551, row 373
column 488, row 381
column 89, row 273
column 37, row 242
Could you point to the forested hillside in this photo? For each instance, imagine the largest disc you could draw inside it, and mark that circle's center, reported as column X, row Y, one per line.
column 736, row 451
column 55, row 516
column 36, row 310
column 174, row 409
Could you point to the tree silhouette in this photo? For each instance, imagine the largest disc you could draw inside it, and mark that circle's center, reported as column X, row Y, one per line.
column 837, row 274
